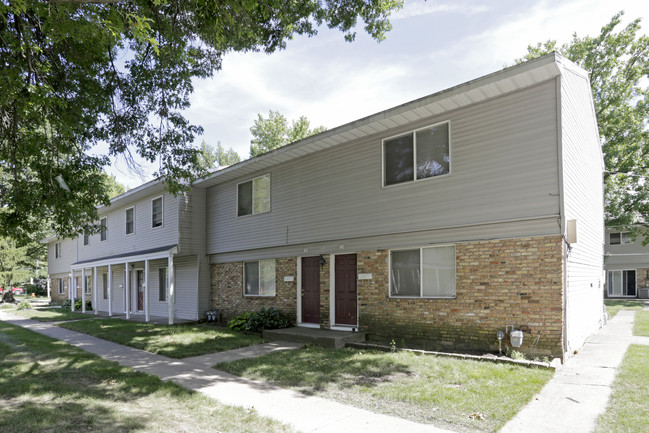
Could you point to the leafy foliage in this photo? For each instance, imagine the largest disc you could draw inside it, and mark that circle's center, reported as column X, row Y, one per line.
column 74, row 74
column 210, row 157
column 20, row 262
column 258, row 321
column 275, row 131
column 618, row 64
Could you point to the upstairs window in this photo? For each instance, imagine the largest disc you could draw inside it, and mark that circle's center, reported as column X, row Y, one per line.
column 57, row 250
column 86, row 237
column 253, row 196
column 620, row 238
column 103, row 226
column 417, row 155
column 156, row 212
column 130, row 221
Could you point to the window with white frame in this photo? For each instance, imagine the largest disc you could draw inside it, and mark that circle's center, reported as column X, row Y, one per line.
column 419, row 154
column 130, row 221
column 156, row 212
column 88, row 286
column 103, row 227
column 423, row 272
column 617, row 238
column 162, row 284
column 86, row 237
column 253, row 196
column 259, row 278
column 622, row 283
column 61, row 286
column 104, row 281
column 57, row 250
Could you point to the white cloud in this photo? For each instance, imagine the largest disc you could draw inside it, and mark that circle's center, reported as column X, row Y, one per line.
column 418, row 9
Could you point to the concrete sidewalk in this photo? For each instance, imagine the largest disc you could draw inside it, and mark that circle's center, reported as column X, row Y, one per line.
column 579, row 391
column 304, row 413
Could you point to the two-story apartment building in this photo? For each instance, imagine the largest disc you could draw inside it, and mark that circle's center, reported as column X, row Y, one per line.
column 437, row 222
column 627, row 265
column 148, row 258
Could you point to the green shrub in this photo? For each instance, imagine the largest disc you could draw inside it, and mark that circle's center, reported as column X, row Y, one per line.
column 268, row 319
column 24, row 305
column 239, row 322
column 38, row 289
column 77, row 304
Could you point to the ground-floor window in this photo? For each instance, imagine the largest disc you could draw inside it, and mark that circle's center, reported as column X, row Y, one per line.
column 621, row 283
column 259, row 278
column 162, row 284
column 61, row 287
column 423, row 272
column 88, row 286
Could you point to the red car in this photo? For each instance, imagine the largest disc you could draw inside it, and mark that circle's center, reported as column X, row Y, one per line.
column 15, row 290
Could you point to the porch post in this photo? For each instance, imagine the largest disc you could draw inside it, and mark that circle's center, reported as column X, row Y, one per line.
column 110, row 291
column 171, row 288
column 73, row 288
column 146, row 290
column 127, row 291
column 49, row 287
column 94, row 290
column 83, row 290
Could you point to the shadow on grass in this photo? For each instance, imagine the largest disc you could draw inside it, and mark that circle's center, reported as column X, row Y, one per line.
column 625, row 303
column 175, row 341
column 313, row 369
column 49, row 386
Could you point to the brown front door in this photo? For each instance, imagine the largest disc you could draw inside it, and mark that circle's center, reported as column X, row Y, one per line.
column 140, row 290
column 346, row 290
column 311, row 290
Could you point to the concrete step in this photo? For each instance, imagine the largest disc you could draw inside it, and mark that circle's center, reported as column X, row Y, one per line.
column 317, row 337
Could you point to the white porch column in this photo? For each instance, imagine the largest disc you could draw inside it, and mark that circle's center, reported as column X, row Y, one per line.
column 127, row 291
column 146, row 291
column 72, row 288
column 94, row 290
column 171, row 277
column 83, row 290
column 49, row 288
column 110, row 291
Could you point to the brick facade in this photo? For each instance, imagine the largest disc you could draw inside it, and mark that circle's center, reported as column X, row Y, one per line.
column 227, row 289
column 54, row 289
column 498, row 283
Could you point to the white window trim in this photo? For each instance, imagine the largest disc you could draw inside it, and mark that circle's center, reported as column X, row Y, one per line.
column 86, row 238
column 622, row 239
column 87, row 287
column 126, row 220
column 166, row 300
column 104, row 289
column 421, row 286
column 162, row 213
column 105, row 230
column 61, row 287
column 608, row 285
column 243, row 282
column 57, row 250
column 414, row 156
column 270, row 197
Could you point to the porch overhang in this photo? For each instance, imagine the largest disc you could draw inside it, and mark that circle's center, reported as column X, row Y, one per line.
column 135, row 256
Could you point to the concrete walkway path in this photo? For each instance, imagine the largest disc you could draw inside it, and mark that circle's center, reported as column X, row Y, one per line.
column 304, row 413
column 579, row 391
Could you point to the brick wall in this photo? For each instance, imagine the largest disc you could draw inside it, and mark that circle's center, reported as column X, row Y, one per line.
column 227, row 289
column 54, row 290
column 503, row 282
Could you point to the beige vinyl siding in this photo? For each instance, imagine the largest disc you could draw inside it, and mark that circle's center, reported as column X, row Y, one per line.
column 191, row 208
column 186, row 305
column 144, row 238
column 626, row 256
column 583, row 201
column 68, row 256
column 504, row 167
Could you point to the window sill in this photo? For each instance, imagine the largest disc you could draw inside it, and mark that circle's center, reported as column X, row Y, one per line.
column 423, row 297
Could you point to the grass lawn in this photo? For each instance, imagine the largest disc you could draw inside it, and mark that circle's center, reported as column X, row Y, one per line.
column 176, row 341
column 50, row 314
column 447, row 392
column 49, row 386
column 641, row 324
column 627, row 409
column 615, row 305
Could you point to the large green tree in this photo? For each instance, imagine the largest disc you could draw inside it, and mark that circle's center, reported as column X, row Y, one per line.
column 214, row 157
column 617, row 61
column 274, row 131
column 76, row 73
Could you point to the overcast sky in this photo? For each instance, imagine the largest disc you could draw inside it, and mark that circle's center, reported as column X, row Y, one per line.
column 434, row 45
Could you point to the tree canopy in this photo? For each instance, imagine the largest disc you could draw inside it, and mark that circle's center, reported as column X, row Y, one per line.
column 275, row 131
column 617, row 61
column 214, row 157
column 78, row 73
